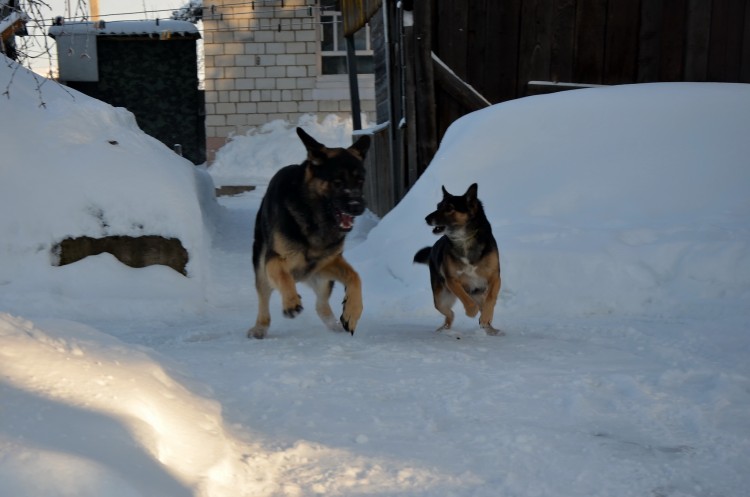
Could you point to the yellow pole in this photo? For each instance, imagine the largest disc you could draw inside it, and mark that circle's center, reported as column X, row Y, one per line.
column 94, row 7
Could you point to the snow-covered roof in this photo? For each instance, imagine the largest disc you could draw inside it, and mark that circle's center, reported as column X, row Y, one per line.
column 151, row 27
column 12, row 19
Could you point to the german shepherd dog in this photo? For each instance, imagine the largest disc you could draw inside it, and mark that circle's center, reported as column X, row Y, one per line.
column 464, row 262
column 300, row 229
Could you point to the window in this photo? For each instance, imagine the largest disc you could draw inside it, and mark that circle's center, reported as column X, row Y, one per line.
column 333, row 44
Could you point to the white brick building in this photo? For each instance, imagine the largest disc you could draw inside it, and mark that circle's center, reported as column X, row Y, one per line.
column 276, row 59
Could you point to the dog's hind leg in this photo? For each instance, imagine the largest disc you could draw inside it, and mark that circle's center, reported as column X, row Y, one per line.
column 488, row 299
column 340, row 270
column 444, row 301
column 263, row 287
column 323, row 288
column 488, row 307
column 280, row 278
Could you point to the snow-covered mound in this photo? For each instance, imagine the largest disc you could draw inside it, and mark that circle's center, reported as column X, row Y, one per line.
column 622, row 218
column 252, row 158
column 629, row 199
column 75, row 166
column 101, row 397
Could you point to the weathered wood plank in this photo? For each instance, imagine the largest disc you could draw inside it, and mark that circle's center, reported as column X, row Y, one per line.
column 591, row 17
column 466, row 95
column 450, row 35
column 426, row 120
column 717, row 44
column 534, row 49
column 725, row 51
column 698, row 33
column 379, row 189
column 674, row 30
column 649, row 41
column 382, row 59
column 562, row 40
column 489, row 41
column 396, row 112
column 501, row 22
column 621, row 41
column 356, row 13
column 745, row 56
column 410, row 103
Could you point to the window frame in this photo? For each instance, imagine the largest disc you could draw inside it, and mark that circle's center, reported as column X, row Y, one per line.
column 337, row 39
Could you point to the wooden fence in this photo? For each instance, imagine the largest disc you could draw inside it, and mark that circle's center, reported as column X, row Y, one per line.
column 499, row 46
column 460, row 55
column 380, row 184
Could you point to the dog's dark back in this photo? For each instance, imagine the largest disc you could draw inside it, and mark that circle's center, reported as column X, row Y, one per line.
column 300, row 199
column 285, row 188
column 300, row 228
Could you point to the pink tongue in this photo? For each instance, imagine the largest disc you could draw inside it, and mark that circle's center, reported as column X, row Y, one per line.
column 346, row 221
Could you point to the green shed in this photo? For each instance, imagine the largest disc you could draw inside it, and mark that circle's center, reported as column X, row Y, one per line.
column 149, row 67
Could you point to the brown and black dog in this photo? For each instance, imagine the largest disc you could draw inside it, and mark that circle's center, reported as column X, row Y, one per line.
column 300, row 230
column 464, row 262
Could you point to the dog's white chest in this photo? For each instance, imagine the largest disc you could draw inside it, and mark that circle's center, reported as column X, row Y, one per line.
column 467, row 267
column 468, row 274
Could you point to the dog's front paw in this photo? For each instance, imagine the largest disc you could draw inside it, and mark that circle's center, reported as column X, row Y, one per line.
column 472, row 310
column 351, row 314
column 257, row 331
column 292, row 306
column 292, row 312
column 490, row 330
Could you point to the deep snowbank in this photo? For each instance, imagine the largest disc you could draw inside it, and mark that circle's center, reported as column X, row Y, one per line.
column 74, row 166
column 629, row 199
column 252, row 158
column 624, row 238
column 94, row 384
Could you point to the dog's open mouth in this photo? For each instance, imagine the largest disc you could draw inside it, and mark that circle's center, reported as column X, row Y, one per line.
column 438, row 229
column 346, row 221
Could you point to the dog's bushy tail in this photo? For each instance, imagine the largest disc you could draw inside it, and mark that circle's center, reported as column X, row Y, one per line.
column 423, row 255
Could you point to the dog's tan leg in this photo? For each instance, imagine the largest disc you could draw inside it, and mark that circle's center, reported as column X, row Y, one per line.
column 323, row 288
column 444, row 301
column 282, row 280
column 488, row 306
column 457, row 288
column 340, row 270
column 263, row 320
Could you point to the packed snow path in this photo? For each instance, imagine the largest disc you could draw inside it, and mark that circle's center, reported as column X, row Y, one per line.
column 622, row 219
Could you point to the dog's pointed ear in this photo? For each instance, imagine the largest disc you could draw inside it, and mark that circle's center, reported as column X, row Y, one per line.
column 316, row 152
column 471, row 193
column 308, row 140
column 361, row 146
column 445, row 192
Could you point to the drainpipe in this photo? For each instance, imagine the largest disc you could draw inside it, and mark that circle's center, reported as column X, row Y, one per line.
column 351, row 61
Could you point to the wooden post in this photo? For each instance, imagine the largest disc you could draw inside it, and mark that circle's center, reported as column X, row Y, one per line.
column 427, row 140
column 410, row 106
column 351, row 61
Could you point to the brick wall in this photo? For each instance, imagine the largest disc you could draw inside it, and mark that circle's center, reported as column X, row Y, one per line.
column 262, row 64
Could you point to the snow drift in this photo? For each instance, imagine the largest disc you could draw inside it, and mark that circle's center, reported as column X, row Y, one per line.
column 74, row 166
column 623, row 222
column 629, row 199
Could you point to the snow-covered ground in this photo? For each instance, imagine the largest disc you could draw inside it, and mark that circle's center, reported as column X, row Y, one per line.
column 623, row 219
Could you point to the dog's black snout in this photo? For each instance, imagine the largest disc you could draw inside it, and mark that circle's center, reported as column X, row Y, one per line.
column 356, row 206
